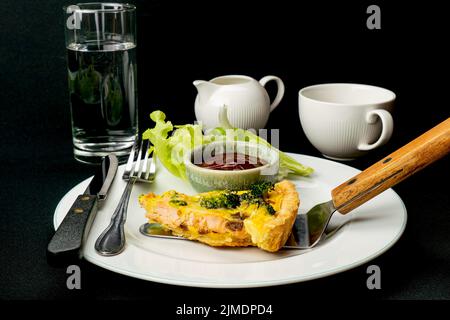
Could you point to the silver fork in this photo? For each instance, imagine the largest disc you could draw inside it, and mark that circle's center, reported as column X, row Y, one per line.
column 112, row 240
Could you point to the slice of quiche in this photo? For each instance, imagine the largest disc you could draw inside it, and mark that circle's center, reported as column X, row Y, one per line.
column 262, row 216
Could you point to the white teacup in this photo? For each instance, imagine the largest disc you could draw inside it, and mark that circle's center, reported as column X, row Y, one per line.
column 345, row 120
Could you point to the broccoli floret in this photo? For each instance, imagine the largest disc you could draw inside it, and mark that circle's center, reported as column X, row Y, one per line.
column 227, row 199
column 178, row 202
column 210, row 203
column 257, row 193
column 231, row 200
column 270, row 209
column 260, row 189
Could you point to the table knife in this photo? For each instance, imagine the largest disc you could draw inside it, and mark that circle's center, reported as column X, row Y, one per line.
column 66, row 244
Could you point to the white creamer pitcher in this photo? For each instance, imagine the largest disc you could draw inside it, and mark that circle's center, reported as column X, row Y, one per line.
column 247, row 101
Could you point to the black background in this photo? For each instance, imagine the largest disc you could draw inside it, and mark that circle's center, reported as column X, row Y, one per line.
column 304, row 43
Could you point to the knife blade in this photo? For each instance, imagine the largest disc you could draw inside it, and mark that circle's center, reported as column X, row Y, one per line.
column 67, row 242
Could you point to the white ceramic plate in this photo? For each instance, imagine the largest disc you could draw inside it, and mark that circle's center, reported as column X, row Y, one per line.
column 369, row 231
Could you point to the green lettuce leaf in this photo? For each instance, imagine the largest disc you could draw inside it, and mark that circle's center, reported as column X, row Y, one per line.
column 172, row 143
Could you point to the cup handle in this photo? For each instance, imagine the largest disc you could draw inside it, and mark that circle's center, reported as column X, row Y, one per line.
column 386, row 131
column 280, row 92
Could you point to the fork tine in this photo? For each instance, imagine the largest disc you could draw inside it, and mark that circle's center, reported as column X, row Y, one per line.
column 137, row 165
column 152, row 169
column 145, row 166
column 149, row 174
column 129, row 165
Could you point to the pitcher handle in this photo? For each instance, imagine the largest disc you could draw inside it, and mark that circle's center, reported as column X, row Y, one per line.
column 280, row 92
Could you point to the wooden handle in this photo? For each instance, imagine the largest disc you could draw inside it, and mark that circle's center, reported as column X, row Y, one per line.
column 416, row 155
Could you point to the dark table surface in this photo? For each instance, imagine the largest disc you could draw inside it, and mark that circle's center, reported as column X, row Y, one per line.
column 305, row 44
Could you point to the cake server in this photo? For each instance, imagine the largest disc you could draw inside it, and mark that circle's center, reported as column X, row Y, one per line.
column 399, row 165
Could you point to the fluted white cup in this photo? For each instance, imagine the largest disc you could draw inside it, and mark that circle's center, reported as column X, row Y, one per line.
column 346, row 120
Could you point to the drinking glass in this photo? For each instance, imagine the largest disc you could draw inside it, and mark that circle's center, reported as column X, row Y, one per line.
column 101, row 66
